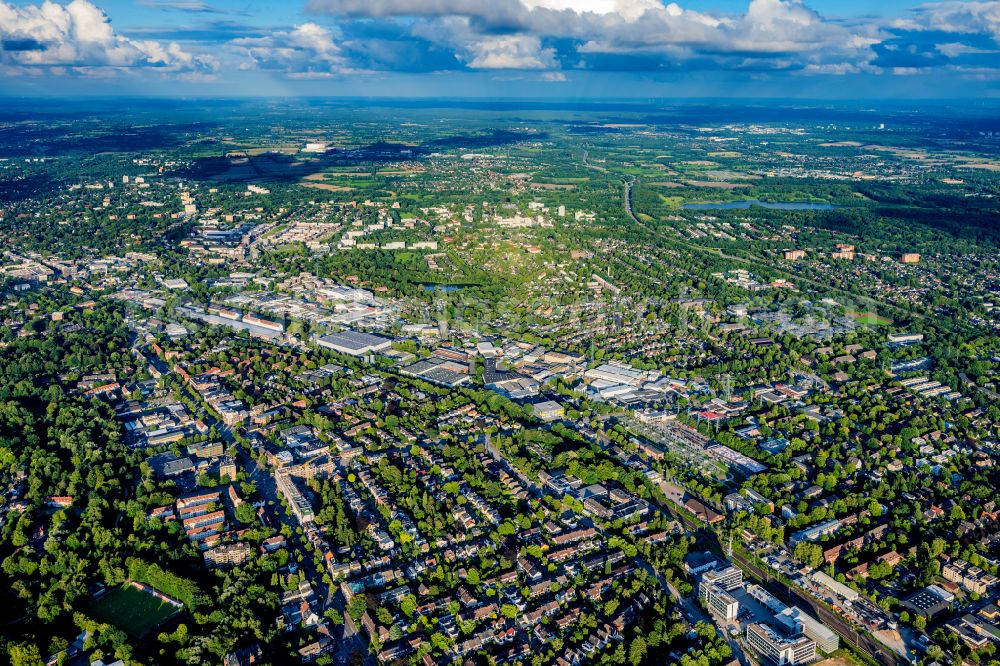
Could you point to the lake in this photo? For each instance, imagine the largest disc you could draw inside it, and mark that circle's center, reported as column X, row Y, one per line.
column 743, row 205
column 448, row 288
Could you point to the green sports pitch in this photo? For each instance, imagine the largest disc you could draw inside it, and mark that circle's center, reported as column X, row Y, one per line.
column 131, row 610
column 869, row 318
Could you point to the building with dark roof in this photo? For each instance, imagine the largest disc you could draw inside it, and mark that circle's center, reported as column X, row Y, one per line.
column 354, row 343
column 168, row 465
column 928, row 603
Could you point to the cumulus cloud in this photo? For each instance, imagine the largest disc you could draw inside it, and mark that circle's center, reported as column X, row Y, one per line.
column 546, row 37
column 479, row 51
column 627, row 10
column 767, row 27
column 80, row 35
column 306, row 51
column 959, row 36
column 957, row 49
column 511, row 52
column 957, row 17
column 786, row 32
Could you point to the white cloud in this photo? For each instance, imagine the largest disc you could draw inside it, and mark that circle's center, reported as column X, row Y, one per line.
column 541, row 36
column 80, row 35
column 478, row 51
column 629, row 10
column 308, row 51
column 835, row 69
column 511, row 52
column 957, row 17
column 955, row 49
column 769, row 27
column 786, row 31
column 785, row 26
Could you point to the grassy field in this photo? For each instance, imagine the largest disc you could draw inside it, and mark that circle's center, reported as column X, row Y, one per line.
column 869, row 318
column 841, row 657
column 132, row 610
column 672, row 202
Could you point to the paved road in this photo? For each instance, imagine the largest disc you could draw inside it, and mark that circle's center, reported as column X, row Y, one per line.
column 268, row 490
column 988, row 393
column 695, row 613
column 350, row 642
column 862, row 642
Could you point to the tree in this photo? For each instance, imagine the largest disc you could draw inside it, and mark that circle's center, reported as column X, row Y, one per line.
column 245, row 514
column 637, row 651
column 25, row 654
column 808, row 553
column 440, row 642
column 357, row 607
column 936, row 547
column 408, row 605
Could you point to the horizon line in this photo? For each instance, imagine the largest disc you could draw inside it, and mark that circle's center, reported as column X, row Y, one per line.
column 562, row 100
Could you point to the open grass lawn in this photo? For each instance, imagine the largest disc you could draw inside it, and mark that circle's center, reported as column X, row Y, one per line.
column 672, row 202
column 870, row 318
column 839, row 658
column 132, row 610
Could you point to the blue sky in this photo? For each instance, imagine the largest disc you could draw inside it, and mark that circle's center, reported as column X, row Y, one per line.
column 808, row 49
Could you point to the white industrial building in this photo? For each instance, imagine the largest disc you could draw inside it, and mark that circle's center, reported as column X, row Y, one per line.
column 835, row 586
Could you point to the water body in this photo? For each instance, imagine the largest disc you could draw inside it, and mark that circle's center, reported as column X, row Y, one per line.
column 744, row 205
column 448, row 288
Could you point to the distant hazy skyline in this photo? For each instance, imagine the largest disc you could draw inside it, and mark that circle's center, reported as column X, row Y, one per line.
column 816, row 49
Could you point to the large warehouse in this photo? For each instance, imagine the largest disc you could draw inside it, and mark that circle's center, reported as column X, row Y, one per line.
column 355, row 343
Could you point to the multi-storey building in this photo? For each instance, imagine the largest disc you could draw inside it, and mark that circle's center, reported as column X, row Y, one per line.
column 228, row 555
column 779, row 649
column 727, row 579
column 720, row 603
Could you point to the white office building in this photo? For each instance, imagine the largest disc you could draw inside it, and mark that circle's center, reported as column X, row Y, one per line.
column 825, row 639
column 720, row 603
column 778, row 649
column 728, row 579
